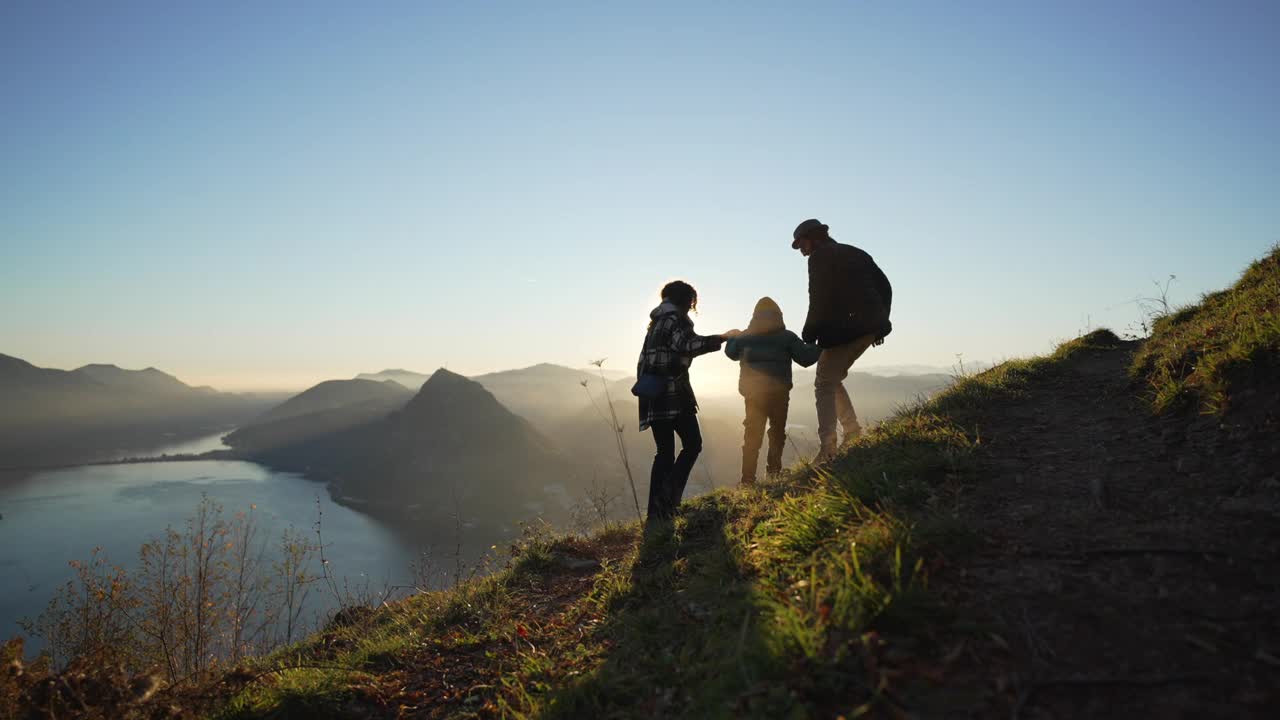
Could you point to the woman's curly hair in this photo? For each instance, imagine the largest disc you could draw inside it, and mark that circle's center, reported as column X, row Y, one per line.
column 681, row 294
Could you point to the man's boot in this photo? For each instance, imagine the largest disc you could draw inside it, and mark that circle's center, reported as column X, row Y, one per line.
column 773, row 462
column 824, row 456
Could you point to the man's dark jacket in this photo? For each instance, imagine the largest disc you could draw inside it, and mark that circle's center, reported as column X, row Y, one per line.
column 849, row 296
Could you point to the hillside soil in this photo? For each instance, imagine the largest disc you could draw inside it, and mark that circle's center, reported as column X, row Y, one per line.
column 1127, row 565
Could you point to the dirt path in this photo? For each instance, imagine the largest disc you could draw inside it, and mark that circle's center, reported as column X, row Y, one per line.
column 1131, row 564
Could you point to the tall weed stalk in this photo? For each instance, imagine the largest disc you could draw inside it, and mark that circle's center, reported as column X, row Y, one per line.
column 618, row 430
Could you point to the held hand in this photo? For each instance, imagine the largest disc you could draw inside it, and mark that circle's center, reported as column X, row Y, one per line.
column 877, row 342
column 729, row 334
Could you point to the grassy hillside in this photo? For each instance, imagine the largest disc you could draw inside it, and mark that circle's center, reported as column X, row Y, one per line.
column 1229, row 341
column 718, row 615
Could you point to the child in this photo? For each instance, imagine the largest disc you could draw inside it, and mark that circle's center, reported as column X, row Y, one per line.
column 766, row 349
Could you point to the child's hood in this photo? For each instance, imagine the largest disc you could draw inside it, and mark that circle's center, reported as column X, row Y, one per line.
column 766, row 318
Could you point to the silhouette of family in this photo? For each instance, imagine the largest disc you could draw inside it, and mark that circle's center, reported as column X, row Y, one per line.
column 849, row 301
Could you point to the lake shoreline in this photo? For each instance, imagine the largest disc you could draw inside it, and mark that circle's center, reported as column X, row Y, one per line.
column 52, row 517
column 401, row 517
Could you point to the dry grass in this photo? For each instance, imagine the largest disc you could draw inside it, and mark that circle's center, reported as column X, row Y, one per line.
column 1196, row 355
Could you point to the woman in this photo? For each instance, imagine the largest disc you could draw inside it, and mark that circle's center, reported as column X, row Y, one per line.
column 669, row 348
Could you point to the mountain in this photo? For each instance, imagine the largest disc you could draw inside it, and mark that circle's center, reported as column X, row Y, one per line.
column 407, row 378
column 16, row 373
column 326, row 408
column 32, row 392
column 453, row 446
column 31, row 395
column 337, row 394
column 539, row 393
column 149, row 380
column 542, row 393
column 100, row 411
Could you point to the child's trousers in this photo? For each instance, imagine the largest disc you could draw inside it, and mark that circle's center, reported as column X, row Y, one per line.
column 770, row 406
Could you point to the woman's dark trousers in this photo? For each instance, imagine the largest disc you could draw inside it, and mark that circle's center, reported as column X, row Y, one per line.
column 671, row 473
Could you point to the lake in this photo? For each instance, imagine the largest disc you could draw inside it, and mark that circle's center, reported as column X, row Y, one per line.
column 50, row 517
column 186, row 447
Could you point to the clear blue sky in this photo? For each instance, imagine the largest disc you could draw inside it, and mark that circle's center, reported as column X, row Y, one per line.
column 259, row 194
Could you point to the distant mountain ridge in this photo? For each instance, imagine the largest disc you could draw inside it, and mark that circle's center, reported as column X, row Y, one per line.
column 334, row 394
column 148, row 379
column 18, row 373
column 546, row 373
column 322, row 409
column 539, row 392
column 407, row 378
column 97, row 411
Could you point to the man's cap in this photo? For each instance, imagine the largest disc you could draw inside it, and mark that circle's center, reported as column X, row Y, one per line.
column 808, row 227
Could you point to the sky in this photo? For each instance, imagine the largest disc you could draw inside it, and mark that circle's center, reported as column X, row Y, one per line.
column 265, row 195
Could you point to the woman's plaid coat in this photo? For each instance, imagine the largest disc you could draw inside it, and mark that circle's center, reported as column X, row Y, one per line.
column 669, row 348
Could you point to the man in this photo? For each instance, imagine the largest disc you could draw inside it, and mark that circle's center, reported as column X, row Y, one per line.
column 849, row 299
